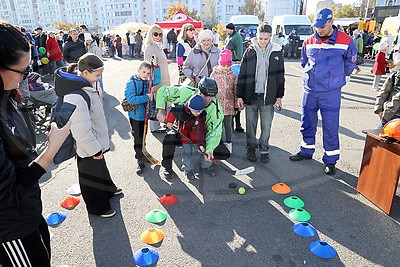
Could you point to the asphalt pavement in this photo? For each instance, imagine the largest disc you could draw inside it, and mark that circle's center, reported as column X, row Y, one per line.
column 213, row 225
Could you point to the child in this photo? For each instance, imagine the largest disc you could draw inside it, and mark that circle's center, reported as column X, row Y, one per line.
column 387, row 104
column 379, row 66
column 191, row 119
column 90, row 131
column 261, row 86
column 40, row 91
column 226, row 81
column 136, row 92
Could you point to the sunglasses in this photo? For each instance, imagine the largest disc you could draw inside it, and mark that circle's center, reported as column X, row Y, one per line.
column 191, row 29
column 25, row 72
column 155, row 34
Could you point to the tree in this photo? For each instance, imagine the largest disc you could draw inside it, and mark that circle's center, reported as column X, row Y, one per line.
column 253, row 7
column 173, row 8
column 221, row 30
column 209, row 17
column 346, row 11
column 65, row 26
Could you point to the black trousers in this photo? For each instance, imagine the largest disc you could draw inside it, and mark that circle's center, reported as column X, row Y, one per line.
column 32, row 250
column 137, row 132
column 96, row 185
column 171, row 140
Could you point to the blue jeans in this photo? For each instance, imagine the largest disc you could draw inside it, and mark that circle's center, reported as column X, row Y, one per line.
column 187, row 158
column 55, row 64
column 266, row 113
column 131, row 50
column 138, row 49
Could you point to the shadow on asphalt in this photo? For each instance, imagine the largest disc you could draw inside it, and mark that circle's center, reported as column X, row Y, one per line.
column 223, row 228
column 111, row 245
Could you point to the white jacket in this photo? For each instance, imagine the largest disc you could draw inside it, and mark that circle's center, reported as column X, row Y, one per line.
column 89, row 127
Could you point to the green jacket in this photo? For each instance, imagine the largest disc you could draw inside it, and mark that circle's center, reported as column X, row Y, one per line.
column 234, row 43
column 214, row 111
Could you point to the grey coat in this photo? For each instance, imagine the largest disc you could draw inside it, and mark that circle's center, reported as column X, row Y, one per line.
column 388, row 98
column 196, row 60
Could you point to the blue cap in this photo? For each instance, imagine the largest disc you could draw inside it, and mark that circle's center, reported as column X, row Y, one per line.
column 321, row 17
column 196, row 103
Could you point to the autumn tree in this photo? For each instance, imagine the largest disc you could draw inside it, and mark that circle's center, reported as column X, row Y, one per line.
column 221, row 30
column 209, row 17
column 253, row 7
column 173, row 8
column 346, row 11
column 65, row 26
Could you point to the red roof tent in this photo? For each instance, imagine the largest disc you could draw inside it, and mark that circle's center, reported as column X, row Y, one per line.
column 178, row 20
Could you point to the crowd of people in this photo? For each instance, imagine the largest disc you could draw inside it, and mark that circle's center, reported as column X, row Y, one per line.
column 199, row 114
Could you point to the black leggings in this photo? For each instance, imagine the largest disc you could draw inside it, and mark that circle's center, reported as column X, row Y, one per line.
column 137, row 132
column 32, row 250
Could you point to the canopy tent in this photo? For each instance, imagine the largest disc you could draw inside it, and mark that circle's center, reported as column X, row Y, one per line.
column 177, row 20
column 133, row 26
column 51, row 28
column 345, row 22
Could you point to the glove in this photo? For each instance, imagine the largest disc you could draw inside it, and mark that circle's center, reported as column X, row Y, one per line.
column 347, row 79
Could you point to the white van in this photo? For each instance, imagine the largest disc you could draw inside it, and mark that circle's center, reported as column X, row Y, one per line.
column 248, row 23
column 285, row 24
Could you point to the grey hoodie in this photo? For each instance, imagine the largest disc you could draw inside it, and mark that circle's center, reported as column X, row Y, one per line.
column 262, row 66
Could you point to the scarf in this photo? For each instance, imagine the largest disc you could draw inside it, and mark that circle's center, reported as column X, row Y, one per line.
column 191, row 42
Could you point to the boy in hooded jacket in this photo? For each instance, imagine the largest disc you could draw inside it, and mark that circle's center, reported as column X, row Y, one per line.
column 136, row 92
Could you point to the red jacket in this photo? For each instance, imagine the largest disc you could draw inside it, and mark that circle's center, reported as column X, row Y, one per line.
column 53, row 49
column 380, row 64
column 193, row 127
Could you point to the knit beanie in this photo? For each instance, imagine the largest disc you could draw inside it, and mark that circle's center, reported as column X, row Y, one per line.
column 206, row 34
column 383, row 45
column 225, row 57
column 87, row 36
column 33, row 77
column 196, row 103
column 230, row 26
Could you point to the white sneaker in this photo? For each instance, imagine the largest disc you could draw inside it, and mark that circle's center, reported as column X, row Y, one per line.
column 228, row 146
column 375, row 88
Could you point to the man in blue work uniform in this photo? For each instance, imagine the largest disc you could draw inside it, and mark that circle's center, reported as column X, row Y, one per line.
column 328, row 58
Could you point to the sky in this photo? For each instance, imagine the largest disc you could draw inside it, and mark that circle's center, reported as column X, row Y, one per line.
column 312, row 4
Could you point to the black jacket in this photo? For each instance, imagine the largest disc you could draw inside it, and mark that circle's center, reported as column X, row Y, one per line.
column 276, row 76
column 41, row 40
column 20, row 203
column 73, row 50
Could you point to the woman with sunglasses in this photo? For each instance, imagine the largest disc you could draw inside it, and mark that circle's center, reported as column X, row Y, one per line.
column 153, row 46
column 186, row 42
column 24, row 236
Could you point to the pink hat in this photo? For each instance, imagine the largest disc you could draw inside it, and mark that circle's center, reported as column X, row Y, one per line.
column 225, row 58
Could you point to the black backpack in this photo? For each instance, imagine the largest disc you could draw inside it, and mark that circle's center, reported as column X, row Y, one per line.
column 68, row 148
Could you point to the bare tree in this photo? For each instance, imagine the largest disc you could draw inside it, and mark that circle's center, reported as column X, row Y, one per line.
column 253, row 7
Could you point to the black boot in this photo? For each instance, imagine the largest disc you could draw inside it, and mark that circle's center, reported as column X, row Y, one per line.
column 298, row 157
column 168, row 173
column 251, row 154
column 330, row 169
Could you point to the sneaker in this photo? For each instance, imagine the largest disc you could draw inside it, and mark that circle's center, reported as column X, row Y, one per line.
column 239, row 129
column 168, row 174
column 228, row 146
column 190, row 175
column 264, row 158
column 140, row 166
column 211, row 171
column 375, row 88
column 298, row 157
column 330, row 169
column 118, row 191
column 108, row 214
column 251, row 154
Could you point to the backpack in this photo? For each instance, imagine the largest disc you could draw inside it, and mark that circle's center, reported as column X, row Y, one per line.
column 68, row 148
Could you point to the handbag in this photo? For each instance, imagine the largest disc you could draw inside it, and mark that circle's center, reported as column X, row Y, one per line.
column 191, row 82
column 128, row 107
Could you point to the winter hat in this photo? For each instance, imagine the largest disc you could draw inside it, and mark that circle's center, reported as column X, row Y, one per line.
column 383, row 45
column 225, row 57
column 206, row 34
column 87, row 36
column 33, row 77
column 230, row 26
column 196, row 103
